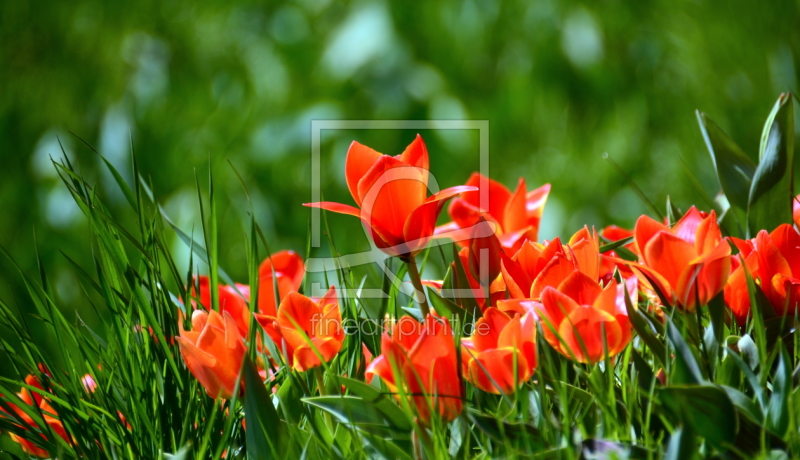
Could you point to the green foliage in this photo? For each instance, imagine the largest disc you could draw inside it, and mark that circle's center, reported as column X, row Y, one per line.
column 696, row 386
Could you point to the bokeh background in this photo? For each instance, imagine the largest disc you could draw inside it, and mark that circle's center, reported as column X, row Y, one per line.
column 200, row 84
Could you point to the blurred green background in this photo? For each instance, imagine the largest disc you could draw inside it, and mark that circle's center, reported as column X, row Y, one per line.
column 560, row 82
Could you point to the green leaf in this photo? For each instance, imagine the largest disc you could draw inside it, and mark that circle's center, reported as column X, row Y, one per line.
column 706, row 409
column 778, row 410
column 686, row 368
column 503, row 431
column 734, row 168
column 445, row 307
column 772, row 190
column 615, row 244
column 640, row 324
column 380, row 401
column 357, row 412
column 681, row 445
column 263, row 424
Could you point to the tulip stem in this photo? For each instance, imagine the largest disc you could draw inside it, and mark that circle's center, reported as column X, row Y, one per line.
column 416, row 281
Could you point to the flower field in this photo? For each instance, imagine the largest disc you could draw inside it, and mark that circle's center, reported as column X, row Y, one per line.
column 468, row 338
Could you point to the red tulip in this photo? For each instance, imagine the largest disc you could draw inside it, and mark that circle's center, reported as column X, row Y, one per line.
column 49, row 416
column 289, row 271
column 500, row 343
column 391, row 192
column 213, row 351
column 230, row 301
column 420, row 359
column 517, row 215
column 537, row 266
column 686, row 262
column 580, row 318
column 773, row 260
column 308, row 329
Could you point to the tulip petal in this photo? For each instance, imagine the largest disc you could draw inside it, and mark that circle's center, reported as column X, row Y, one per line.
column 580, row 288
column 390, row 191
column 553, row 274
column 670, row 256
column 770, row 263
column 493, row 371
column 582, row 334
column 515, row 215
column 534, row 204
column 556, row 307
column 646, row 228
column 787, row 241
column 497, row 194
column 708, row 234
column 517, row 281
column 714, row 272
column 360, row 159
column 587, row 258
column 416, row 154
column 488, row 329
column 687, row 226
column 420, row 224
column 286, row 263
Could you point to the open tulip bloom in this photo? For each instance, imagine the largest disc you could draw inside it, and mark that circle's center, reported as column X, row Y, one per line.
column 516, row 215
column 501, row 353
column 688, row 263
column 419, row 365
column 391, row 193
column 309, row 331
column 585, row 321
column 773, row 262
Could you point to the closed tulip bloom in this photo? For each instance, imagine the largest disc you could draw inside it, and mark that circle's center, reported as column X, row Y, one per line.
column 392, row 197
column 213, row 351
column 420, row 359
column 537, row 266
column 517, row 215
column 285, row 267
column 687, row 262
column 310, row 330
column 48, row 414
column 580, row 318
column 501, row 353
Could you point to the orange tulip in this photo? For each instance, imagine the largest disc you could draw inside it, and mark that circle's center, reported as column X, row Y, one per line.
column 289, row 271
column 424, row 358
column 213, row 351
column 580, row 318
column 500, row 343
column 537, row 266
column 230, row 301
column 517, row 215
column 310, row 330
column 688, row 262
column 391, row 192
column 48, row 414
column 773, row 260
